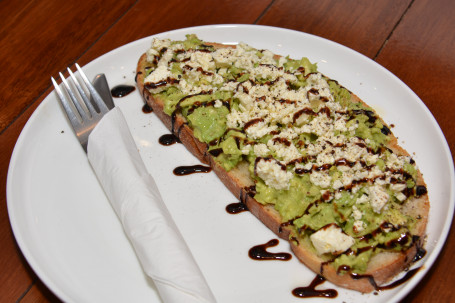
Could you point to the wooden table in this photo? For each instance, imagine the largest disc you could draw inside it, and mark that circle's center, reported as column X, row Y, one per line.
column 414, row 39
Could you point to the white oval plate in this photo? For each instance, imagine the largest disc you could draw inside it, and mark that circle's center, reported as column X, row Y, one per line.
column 73, row 240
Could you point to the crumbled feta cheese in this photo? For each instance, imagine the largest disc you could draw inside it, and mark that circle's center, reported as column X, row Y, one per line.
column 320, row 125
column 378, row 198
column 234, row 119
column 338, row 195
column 151, row 54
column 160, row 43
column 340, row 124
column 269, row 72
column 395, row 162
column 259, row 130
column 320, row 178
column 286, row 153
column 325, row 157
column 398, row 187
column 202, row 60
column 363, row 199
column 356, row 213
column 246, row 149
column 165, row 58
column 273, row 174
column 261, row 150
column 337, row 184
column 358, row 226
column 353, row 152
column 331, row 239
column 400, row 196
column 245, row 99
column 347, row 178
column 282, row 61
column 223, row 56
column 159, row 74
column 218, row 104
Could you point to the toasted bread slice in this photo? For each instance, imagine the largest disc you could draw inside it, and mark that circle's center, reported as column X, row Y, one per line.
column 382, row 266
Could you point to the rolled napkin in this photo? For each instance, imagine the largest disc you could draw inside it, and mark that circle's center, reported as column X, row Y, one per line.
column 133, row 193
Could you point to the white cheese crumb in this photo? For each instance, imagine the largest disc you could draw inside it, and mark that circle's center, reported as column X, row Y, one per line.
column 203, row 60
column 338, row 195
column 337, row 184
column 223, row 56
column 379, row 198
column 363, row 199
column 246, row 149
column 340, row 124
column 286, row 153
column 398, row 187
column 400, row 196
column 218, row 104
column 356, row 213
column 358, row 226
column 321, row 178
column 158, row 44
column 331, row 239
column 273, row 174
column 261, row 150
column 234, row 119
column 159, row 74
column 325, row 157
column 260, row 129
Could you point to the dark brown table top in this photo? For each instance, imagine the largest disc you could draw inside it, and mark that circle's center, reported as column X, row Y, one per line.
column 414, row 39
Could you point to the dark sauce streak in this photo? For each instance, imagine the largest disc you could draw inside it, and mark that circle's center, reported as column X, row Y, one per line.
column 394, row 284
column 216, row 152
column 188, row 170
column 406, row 277
column 252, row 122
column 122, row 90
column 236, row 208
column 259, row 252
column 419, row 254
column 421, row 190
column 168, row 139
column 385, row 130
column 135, row 77
column 369, row 277
column 311, row 291
column 147, row 109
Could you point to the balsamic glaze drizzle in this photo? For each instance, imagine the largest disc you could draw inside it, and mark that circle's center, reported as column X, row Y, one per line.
column 147, row 109
column 310, row 291
column 122, row 90
column 188, row 170
column 235, row 208
column 406, row 277
column 168, row 139
column 259, row 252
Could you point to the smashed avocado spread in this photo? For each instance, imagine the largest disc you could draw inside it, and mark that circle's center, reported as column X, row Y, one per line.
column 315, row 153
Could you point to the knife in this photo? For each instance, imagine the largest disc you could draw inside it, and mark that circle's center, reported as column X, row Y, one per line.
column 100, row 84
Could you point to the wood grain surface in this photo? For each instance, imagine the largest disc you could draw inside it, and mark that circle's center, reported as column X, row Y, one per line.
column 414, row 39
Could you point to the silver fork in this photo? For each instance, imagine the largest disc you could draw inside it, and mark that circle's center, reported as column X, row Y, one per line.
column 82, row 119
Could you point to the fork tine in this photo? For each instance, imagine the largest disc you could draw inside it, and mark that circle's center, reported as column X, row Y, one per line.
column 88, row 117
column 96, row 97
column 64, row 101
column 84, row 97
column 73, row 98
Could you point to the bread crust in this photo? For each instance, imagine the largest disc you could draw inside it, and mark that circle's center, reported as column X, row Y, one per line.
column 382, row 267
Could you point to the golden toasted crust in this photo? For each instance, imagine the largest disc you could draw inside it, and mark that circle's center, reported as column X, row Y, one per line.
column 382, row 267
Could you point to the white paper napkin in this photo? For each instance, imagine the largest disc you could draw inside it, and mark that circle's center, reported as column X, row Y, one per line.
column 133, row 193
